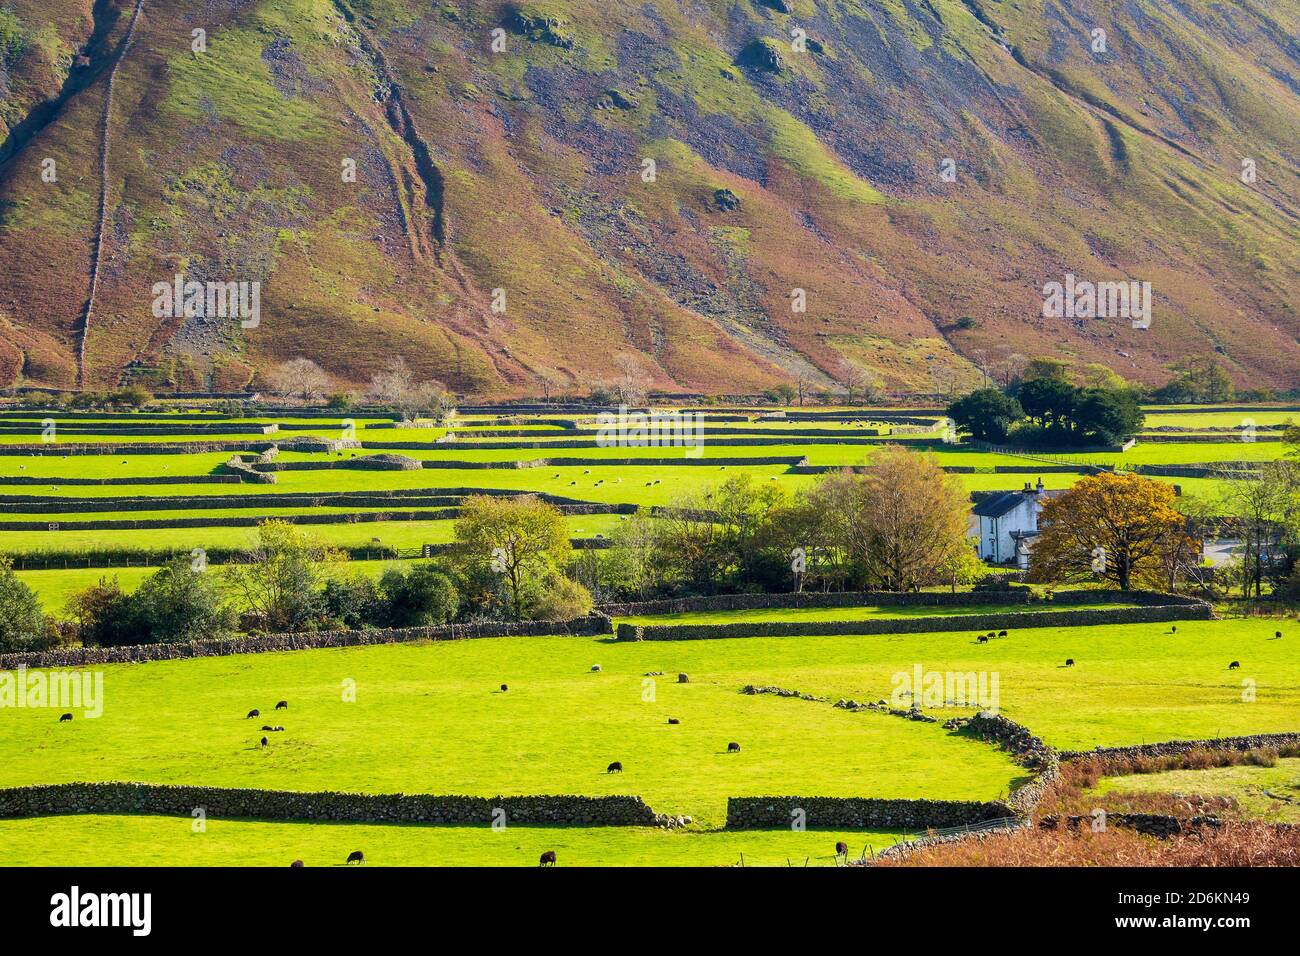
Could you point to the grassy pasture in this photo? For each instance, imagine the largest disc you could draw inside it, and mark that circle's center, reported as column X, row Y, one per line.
column 1263, row 793
column 430, row 718
column 393, row 534
column 865, row 613
column 168, row 841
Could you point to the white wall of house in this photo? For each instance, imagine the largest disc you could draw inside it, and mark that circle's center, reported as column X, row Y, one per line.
column 996, row 543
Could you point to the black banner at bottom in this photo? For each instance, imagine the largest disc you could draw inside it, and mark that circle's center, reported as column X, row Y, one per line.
column 129, row 905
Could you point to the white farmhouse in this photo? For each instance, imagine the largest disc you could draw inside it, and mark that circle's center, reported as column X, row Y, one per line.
column 1008, row 522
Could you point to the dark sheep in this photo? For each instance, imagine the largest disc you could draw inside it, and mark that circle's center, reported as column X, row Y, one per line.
column 295, row 863
column 356, row 856
column 252, row 714
column 673, row 720
column 615, row 767
column 1277, row 633
column 1173, row 628
column 267, row 727
column 547, row 859
column 283, row 705
column 1002, row 633
column 504, row 688
column 982, row 639
column 842, row 849
column 1234, row 665
column 65, row 718
column 1069, row 662
column 733, row 748
column 265, row 742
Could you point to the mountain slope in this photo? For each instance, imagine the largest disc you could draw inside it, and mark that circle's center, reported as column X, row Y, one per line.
column 512, row 168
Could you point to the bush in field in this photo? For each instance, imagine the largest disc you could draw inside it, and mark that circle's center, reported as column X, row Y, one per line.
column 178, row 603
column 100, row 614
column 174, row 604
column 351, row 602
column 279, row 580
column 420, row 597
column 562, row 599
column 23, row 625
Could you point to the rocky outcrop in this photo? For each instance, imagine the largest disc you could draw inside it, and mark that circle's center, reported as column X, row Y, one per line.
column 539, row 27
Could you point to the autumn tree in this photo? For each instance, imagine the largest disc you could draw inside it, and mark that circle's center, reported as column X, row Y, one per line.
column 397, row 387
column 523, row 542
column 903, row 519
column 1120, row 528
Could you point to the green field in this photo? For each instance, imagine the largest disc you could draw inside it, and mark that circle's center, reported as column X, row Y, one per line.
column 1262, row 793
column 430, row 718
column 164, row 841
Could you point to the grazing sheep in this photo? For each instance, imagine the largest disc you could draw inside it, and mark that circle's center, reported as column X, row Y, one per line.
column 991, row 634
column 1069, row 662
column 615, row 767
column 295, row 863
column 356, row 856
column 1234, row 665
column 267, row 727
column 547, row 859
column 1277, row 633
column 673, row 720
column 252, row 714
column 842, row 849
column 1173, row 628
column 981, row 639
column 1002, row 633
column 65, row 718
column 265, row 742
column 595, row 668
column 733, row 748
column 504, row 688
column 283, row 705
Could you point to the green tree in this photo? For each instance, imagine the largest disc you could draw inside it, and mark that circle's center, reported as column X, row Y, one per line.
column 985, row 414
column 101, row 614
column 280, row 578
column 1107, row 416
column 524, row 541
column 1048, row 402
column 23, row 625
column 177, row 603
column 420, row 597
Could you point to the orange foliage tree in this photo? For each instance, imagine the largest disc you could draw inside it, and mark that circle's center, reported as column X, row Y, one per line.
column 1120, row 528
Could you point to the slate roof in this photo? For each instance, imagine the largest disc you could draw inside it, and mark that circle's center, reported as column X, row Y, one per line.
column 998, row 505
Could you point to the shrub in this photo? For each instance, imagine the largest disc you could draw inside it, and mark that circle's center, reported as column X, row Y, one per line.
column 420, row 597
column 23, row 625
column 351, row 602
column 563, row 599
column 178, row 603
